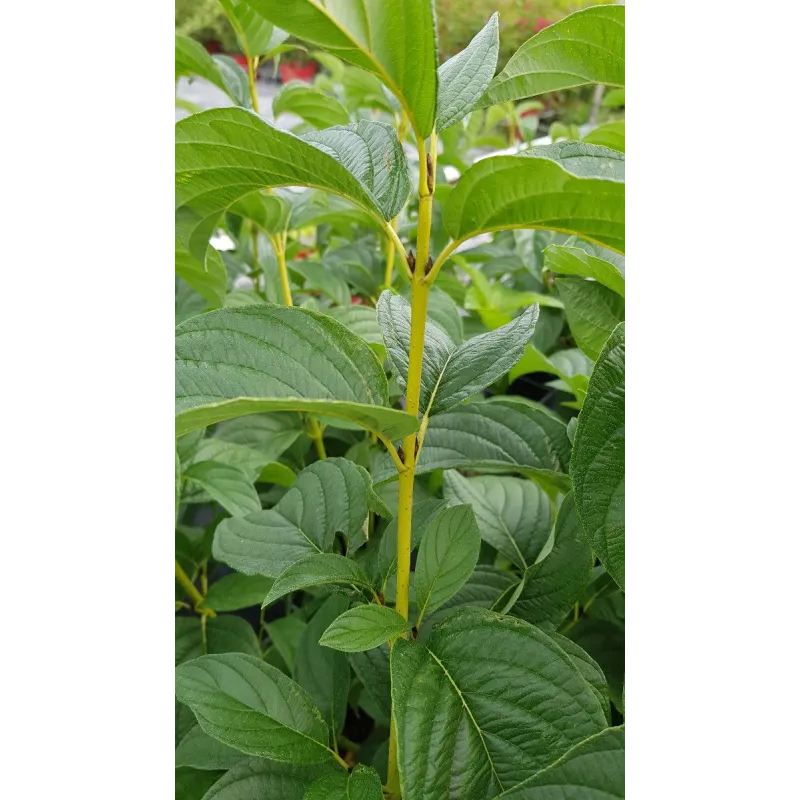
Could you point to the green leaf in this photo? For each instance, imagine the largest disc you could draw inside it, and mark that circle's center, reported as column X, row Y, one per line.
column 563, row 574
column 514, row 515
column 192, row 784
column 322, row 208
column 225, row 633
column 605, row 642
column 490, row 700
column 184, row 721
column 251, row 442
column 575, row 261
column 496, row 303
column 394, row 41
column 447, row 555
column 464, row 77
column 594, row 769
column 235, row 591
column 500, row 436
column 320, row 569
column 592, row 310
column 363, row 783
column 322, row 672
column 238, row 361
column 330, row 496
column 191, row 58
column 361, row 320
column 372, row 669
column 228, row 485
column 276, row 473
column 363, row 627
column 285, row 633
column 385, row 564
column 207, row 277
column 451, row 373
column 258, row 778
column 612, row 135
column 569, row 187
column 255, row 34
column 482, row 590
column 582, row 160
column 598, row 460
column 270, row 212
column 615, row 98
column 201, row 751
column 312, row 106
column 371, row 151
column 572, row 366
column 585, row 47
column 320, row 278
column 224, row 154
column 363, row 91
column 253, row 707
column 588, row 667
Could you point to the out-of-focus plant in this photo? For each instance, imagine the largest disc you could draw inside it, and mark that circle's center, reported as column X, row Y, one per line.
column 204, row 21
column 457, row 21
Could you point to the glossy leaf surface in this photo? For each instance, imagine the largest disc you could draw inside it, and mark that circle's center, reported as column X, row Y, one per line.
column 515, row 516
column 451, row 373
column 312, row 106
column 464, row 77
column 363, row 628
column 238, row 361
column 253, row 707
column 329, row 496
column 592, row 770
column 568, row 187
column 598, row 461
column 394, row 41
column 585, row 47
column 447, row 555
column 490, row 700
column 502, row 436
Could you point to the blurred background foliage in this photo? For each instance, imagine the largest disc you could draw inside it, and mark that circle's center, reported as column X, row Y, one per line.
column 458, row 21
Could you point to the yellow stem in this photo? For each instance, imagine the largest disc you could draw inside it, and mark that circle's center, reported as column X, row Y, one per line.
column 315, row 432
column 191, row 590
column 391, row 250
column 391, row 450
column 419, row 310
column 256, row 266
column 252, row 66
column 340, row 759
column 279, row 245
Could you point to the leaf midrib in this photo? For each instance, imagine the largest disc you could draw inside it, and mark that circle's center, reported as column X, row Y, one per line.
column 469, row 713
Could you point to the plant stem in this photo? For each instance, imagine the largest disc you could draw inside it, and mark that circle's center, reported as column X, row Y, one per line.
column 315, row 432
column 340, row 759
column 279, row 246
column 256, row 267
column 183, row 579
column 391, row 251
column 419, row 310
column 252, row 66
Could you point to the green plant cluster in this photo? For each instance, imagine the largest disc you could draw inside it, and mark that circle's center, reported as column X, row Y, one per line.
column 399, row 466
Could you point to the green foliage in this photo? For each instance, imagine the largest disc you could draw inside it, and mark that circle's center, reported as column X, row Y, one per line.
column 399, row 465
